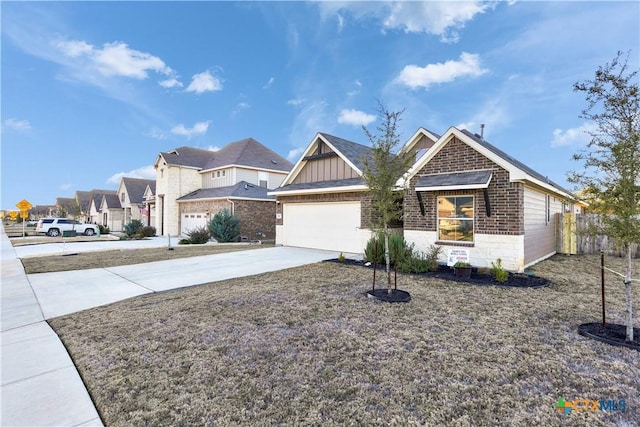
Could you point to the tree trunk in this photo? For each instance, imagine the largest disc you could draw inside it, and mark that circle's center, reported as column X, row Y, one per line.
column 387, row 259
column 627, row 290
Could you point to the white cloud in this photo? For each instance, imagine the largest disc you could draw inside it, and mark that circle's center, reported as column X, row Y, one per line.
column 355, row 118
column 156, row 133
column 270, row 83
column 204, row 82
column 443, row 72
column 241, row 106
column 295, row 154
column 114, row 59
column 439, row 18
column 145, row 172
column 19, row 125
column 295, row 102
column 575, row 136
column 199, row 128
column 169, row 83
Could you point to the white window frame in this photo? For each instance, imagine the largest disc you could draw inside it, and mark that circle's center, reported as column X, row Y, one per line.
column 472, row 219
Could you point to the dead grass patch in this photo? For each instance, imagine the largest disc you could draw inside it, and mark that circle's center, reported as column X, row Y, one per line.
column 114, row 258
column 306, row 347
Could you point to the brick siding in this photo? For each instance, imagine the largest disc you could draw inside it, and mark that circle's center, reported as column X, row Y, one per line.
column 254, row 215
column 505, row 198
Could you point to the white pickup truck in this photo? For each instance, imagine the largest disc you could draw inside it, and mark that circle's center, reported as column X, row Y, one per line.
column 55, row 227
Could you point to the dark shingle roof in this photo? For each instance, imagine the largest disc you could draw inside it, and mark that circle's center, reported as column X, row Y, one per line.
column 113, row 201
column 83, row 198
column 96, row 196
column 322, row 184
column 188, row 156
column 136, row 186
column 512, row 160
column 351, row 150
column 248, row 152
column 242, row 190
column 479, row 178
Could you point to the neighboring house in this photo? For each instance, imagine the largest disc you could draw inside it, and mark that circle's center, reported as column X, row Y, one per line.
column 112, row 212
column 461, row 193
column 193, row 184
column 83, row 200
column 323, row 202
column 66, row 207
column 95, row 215
column 131, row 192
column 149, row 198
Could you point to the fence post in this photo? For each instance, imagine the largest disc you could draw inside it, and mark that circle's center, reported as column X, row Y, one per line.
column 602, row 286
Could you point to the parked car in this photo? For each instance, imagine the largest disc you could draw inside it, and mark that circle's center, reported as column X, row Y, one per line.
column 54, row 227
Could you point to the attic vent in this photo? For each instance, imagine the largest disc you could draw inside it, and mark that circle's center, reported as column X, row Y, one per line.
column 274, row 162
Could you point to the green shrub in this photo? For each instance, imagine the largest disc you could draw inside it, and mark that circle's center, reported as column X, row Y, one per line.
column 103, row 229
column 498, row 272
column 133, row 227
column 184, row 241
column 225, row 227
column 341, row 257
column 398, row 249
column 374, row 251
column 199, row 235
column 148, row 231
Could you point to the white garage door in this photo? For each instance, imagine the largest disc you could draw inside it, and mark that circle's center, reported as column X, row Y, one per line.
column 191, row 221
column 330, row 226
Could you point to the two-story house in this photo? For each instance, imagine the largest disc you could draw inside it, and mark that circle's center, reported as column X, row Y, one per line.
column 194, row 184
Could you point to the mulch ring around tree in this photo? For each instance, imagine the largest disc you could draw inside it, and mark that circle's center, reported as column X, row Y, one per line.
column 383, row 294
column 481, row 277
column 611, row 333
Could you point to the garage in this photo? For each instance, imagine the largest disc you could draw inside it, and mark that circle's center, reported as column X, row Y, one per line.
column 330, row 226
column 191, row 221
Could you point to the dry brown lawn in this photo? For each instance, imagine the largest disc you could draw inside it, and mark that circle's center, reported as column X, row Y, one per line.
column 113, row 258
column 306, row 347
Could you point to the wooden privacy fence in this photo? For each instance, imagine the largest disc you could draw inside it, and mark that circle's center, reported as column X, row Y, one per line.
column 574, row 236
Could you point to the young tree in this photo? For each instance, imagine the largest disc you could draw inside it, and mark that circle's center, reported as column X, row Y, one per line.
column 381, row 171
column 611, row 160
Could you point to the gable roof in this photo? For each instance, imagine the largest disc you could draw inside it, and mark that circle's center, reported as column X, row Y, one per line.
column 241, row 190
column 110, row 201
column 187, row 156
column 83, row 198
column 350, row 152
column 518, row 171
column 247, row 152
column 136, row 188
column 96, row 197
column 416, row 137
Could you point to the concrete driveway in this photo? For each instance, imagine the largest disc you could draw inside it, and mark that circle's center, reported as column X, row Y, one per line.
column 67, row 292
column 40, row 384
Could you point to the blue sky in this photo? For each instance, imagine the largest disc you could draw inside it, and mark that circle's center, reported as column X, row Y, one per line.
column 93, row 91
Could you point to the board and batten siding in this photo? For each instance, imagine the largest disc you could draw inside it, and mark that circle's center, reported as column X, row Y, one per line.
column 325, row 169
column 539, row 224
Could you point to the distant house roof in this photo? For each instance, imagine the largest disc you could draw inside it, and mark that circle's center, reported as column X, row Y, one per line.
column 241, row 190
column 84, row 199
column 188, row 156
column 247, row 152
column 112, row 201
column 96, row 196
column 136, row 187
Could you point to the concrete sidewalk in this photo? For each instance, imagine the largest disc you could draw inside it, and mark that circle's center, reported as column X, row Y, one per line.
column 40, row 384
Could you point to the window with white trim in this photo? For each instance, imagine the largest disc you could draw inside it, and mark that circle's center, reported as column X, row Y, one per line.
column 455, row 218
